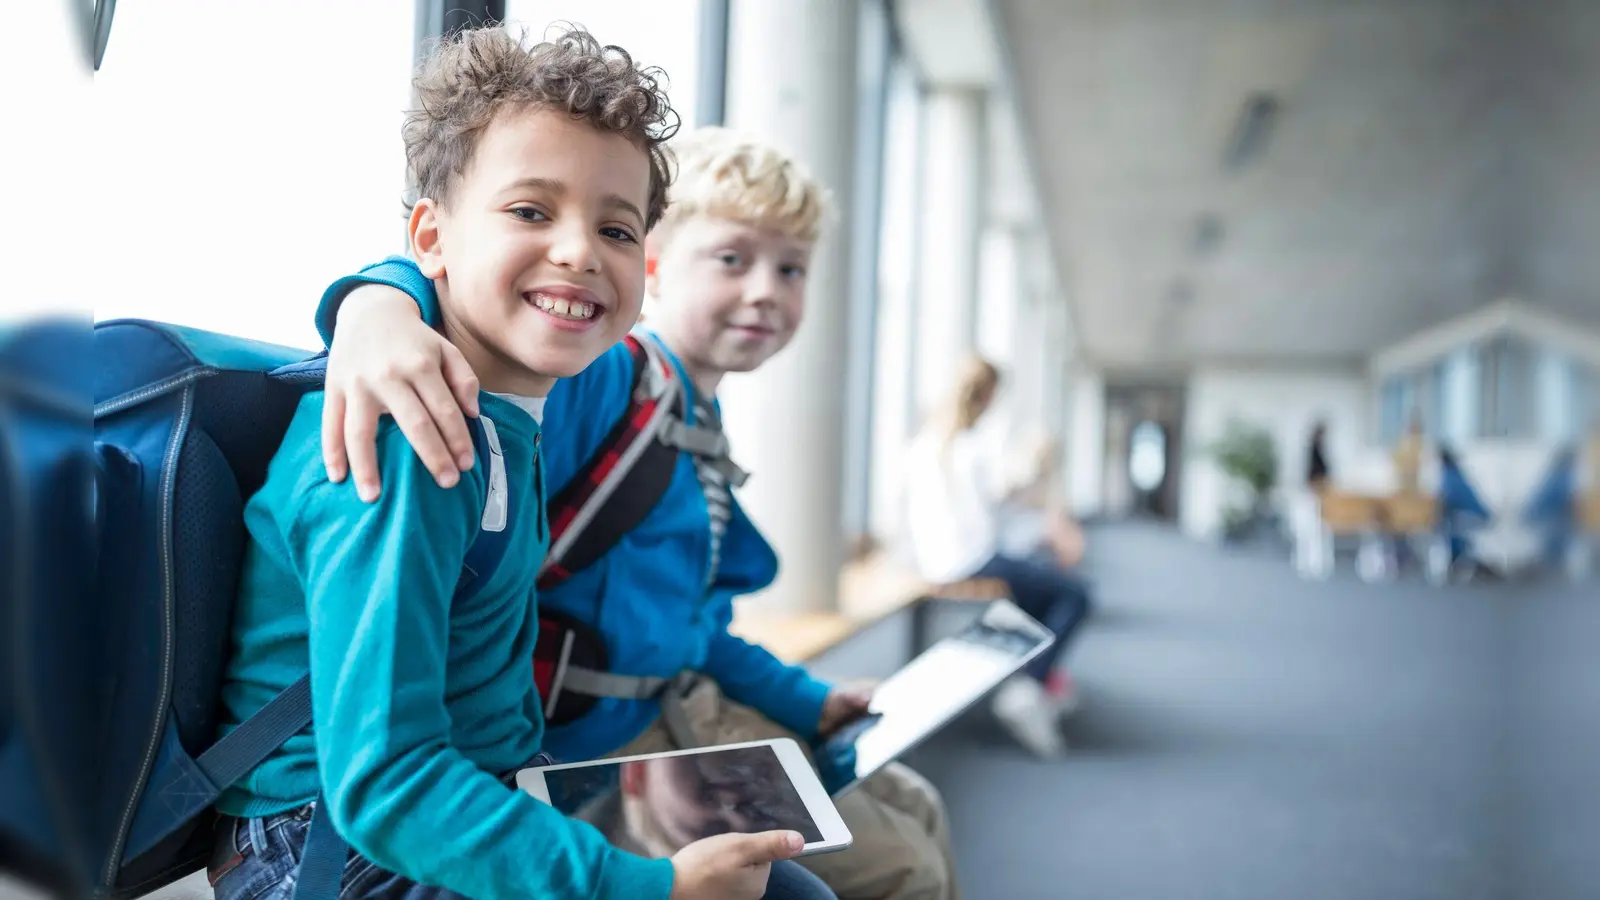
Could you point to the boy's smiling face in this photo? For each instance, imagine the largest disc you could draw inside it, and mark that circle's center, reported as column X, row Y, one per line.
column 538, row 255
column 731, row 294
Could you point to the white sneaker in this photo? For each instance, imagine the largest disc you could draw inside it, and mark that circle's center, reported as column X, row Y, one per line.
column 1023, row 707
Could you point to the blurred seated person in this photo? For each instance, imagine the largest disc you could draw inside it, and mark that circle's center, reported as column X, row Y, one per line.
column 1036, row 521
column 1408, row 457
column 1460, row 507
column 959, row 503
column 1553, row 508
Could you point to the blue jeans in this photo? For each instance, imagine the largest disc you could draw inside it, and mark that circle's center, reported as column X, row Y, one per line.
column 1049, row 593
column 255, row 859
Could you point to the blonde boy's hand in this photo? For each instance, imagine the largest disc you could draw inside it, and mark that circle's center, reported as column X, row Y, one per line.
column 843, row 706
column 385, row 359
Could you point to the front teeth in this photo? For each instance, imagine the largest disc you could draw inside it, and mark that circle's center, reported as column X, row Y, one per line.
column 577, row 310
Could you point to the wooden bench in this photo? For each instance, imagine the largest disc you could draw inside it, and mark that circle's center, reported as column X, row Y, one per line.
column 1589, row 511
column 870, row 591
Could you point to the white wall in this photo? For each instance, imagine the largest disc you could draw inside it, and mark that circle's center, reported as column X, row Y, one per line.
column 1285, row 400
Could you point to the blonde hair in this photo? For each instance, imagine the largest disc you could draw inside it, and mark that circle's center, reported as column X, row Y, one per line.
column 973, row 394
column 722, row 173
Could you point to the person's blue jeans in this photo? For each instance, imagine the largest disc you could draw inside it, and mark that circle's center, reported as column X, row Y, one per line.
column 1049, row 593
column 255, row 859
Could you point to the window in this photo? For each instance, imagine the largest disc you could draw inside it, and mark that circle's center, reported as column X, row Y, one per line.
column 1147, row 456
column 894, row 391
column 875, row 54
column 1507, row 389
column 1397, row 397
column 1460, row 396
column 257, row 157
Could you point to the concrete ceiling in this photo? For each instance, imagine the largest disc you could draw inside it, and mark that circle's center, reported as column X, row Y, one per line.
column 1428, row 157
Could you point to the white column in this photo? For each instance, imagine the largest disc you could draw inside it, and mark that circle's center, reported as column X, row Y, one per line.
column 1086, row 455
column 1021, row 367
column 1054, row 369
column 792, row 81
column 952, row 211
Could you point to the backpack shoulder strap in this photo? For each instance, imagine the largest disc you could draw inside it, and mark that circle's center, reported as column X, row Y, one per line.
column 624, row 479
column 489, row 547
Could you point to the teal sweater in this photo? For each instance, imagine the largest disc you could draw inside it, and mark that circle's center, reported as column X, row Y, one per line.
column 418, row 703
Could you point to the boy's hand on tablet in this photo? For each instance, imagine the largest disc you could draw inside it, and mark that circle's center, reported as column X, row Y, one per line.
column 385, row 359
column 843, row 706
column 731, row 866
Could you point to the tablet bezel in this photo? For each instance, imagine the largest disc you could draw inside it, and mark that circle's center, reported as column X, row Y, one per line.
column 835, row 835
column 1014, row 616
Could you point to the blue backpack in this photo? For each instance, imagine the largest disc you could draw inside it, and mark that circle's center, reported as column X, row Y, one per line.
column 185, row 424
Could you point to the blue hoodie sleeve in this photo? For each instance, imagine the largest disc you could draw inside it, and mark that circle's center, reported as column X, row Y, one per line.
column 397, row 272
column 748, row 673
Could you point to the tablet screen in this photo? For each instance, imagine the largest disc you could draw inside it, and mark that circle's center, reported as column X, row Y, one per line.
column 668, row 802
column 937, row 686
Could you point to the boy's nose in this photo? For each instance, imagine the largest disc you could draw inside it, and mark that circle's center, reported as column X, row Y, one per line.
column 573, row 247
column 760, row 286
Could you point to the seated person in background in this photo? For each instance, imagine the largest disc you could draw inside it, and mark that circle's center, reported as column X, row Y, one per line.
column 1553, row 509
column 1408, row 457
column 1035, row 522
column 956, row 499
column 421, row 697
column 1460, row 508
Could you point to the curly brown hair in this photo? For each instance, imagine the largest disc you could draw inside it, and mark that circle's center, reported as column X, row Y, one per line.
column 473, row 76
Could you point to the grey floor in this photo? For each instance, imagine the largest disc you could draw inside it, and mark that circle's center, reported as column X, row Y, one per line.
column 1250, row 735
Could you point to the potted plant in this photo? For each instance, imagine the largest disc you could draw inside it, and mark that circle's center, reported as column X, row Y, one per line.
column 1248, row 456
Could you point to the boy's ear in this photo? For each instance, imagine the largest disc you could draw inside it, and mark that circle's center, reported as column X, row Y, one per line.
column 426, row 246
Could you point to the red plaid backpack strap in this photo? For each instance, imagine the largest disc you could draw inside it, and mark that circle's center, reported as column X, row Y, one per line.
column 625, row 478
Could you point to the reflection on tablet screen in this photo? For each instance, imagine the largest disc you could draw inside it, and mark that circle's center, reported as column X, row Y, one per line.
column 657, row 806
column 940, row 683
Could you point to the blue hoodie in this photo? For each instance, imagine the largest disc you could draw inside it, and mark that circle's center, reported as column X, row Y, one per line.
column 646, row 596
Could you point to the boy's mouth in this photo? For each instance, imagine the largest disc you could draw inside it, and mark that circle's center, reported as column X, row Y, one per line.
column 564, row 306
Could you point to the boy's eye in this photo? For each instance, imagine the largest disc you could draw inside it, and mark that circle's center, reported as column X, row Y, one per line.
column 728, row 259
column 792, row 272
column 529, row 214
column 619, row 234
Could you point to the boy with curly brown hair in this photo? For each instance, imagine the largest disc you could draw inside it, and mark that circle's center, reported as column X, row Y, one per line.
column 538, row 173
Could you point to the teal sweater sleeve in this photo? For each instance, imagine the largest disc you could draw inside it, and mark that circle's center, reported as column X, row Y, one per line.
column 379, row 580
column 394, row 271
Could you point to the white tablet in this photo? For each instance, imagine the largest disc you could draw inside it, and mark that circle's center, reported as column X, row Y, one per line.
column 931, row 690
column 654, row 805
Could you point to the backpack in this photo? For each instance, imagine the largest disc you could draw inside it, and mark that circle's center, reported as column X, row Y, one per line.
column 185, row 424
column 44, row 501
column 611, row 494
